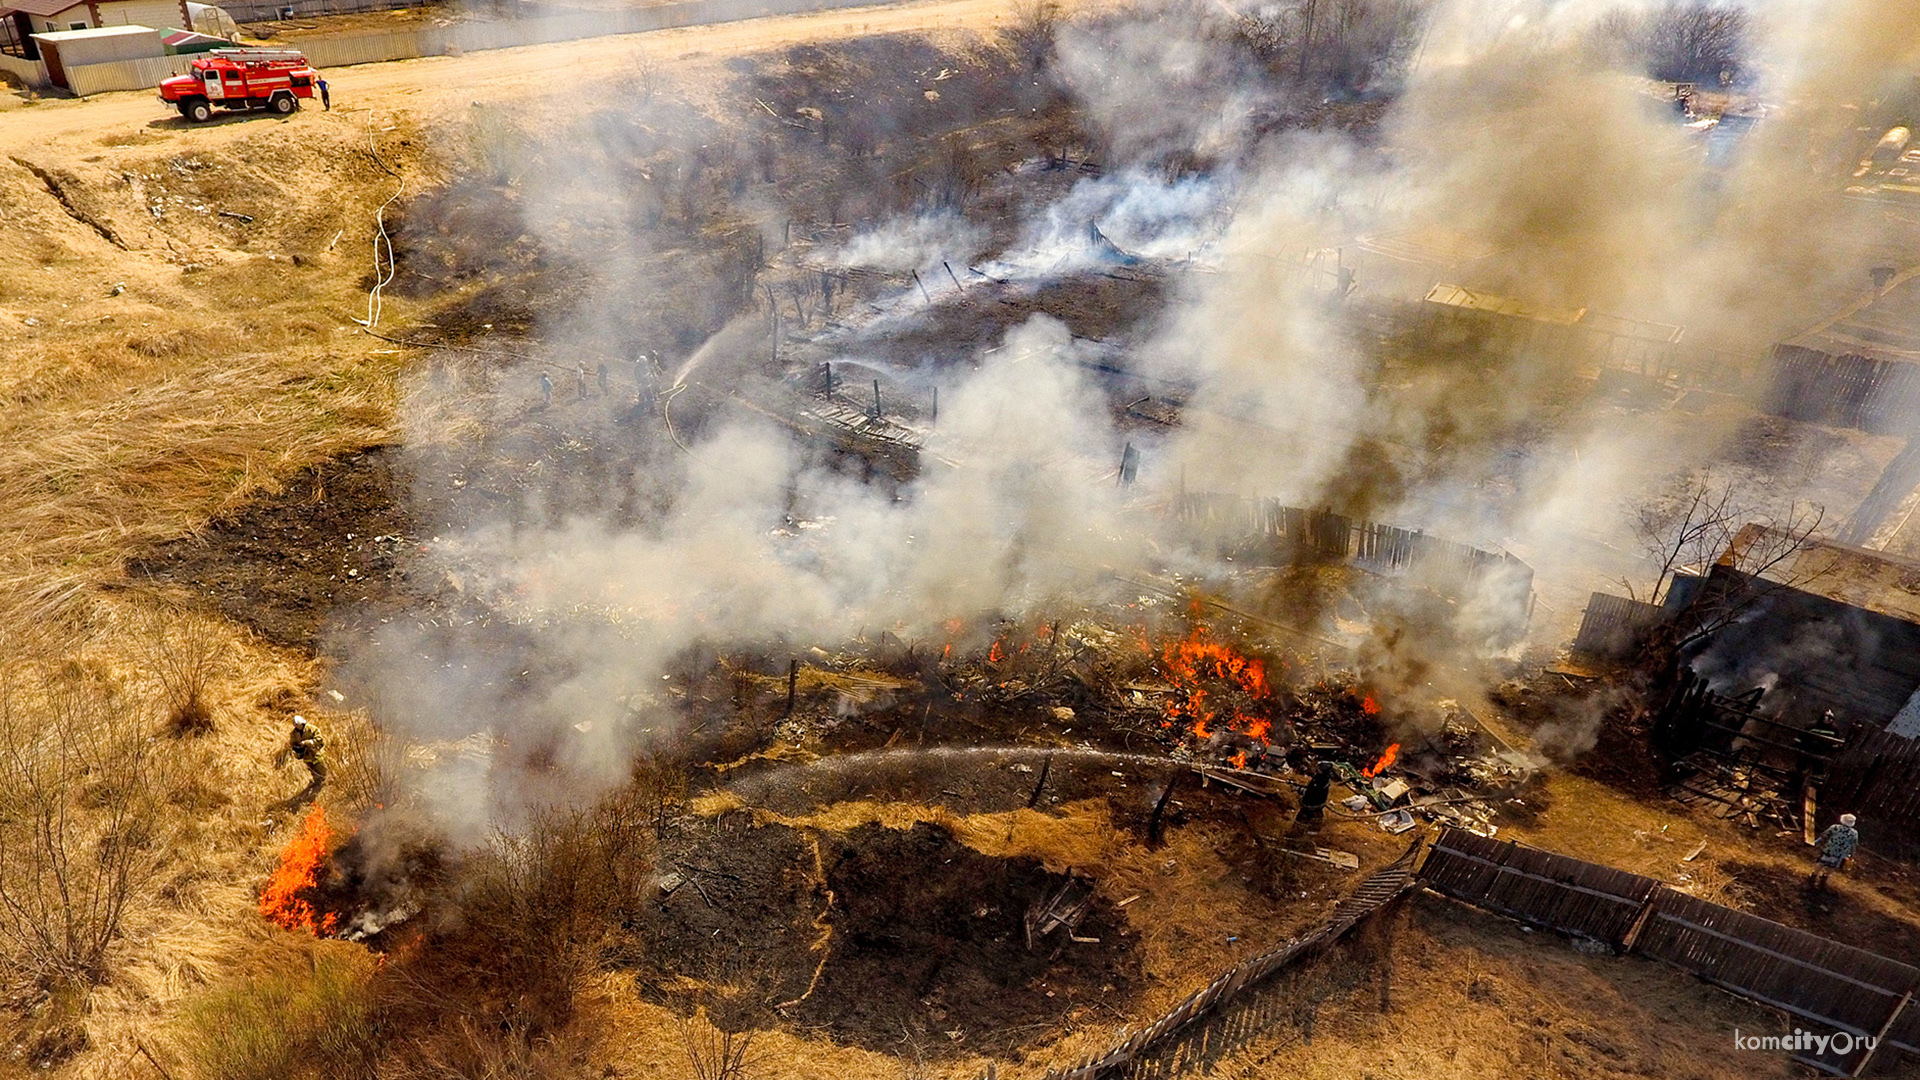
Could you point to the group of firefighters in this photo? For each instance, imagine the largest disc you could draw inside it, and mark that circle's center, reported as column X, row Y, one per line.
column 646, row 374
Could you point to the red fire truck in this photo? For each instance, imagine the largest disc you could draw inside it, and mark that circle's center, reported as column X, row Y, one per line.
column 241, row 79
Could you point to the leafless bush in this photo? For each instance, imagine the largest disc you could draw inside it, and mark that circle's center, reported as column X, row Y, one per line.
column 185, row 652
column 79, row 818
column 1331, row 45
column 1031, row 34
column 367, row 760
column 645, row 76
column 1697, row 522
column 716, row 1053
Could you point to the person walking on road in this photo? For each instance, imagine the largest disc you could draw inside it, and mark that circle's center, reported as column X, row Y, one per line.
column 326, row 100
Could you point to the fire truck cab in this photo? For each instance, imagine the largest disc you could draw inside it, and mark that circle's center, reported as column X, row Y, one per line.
column 240, row 79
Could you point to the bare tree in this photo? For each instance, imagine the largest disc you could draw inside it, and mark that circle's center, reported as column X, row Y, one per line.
column 1688, row 526
column 1681, row 41
column 1700, row 524
column 79, row 818
column 1030, row 37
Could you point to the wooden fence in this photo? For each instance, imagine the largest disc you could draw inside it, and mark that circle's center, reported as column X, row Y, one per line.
column 1382, row 887
column 1538, row 887
column 1877, row 775
column 1830, row 984
column 1494, row 588
column 1613, row 626
column 1848, row 390
column 1322, row 532
column 1821, row 981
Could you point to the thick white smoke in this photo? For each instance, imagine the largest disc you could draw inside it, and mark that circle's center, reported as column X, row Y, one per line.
column 1509, row 134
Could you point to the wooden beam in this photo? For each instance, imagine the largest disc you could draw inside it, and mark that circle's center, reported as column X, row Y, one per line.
column 1860, row 1067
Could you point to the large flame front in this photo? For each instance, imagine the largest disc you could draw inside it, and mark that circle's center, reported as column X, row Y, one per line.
column 1200, row 668
column 299, row 870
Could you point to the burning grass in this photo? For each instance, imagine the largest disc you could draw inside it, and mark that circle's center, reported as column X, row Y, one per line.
column 285, row 900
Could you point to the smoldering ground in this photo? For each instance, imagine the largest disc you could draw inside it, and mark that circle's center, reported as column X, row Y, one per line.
column 1512, row 135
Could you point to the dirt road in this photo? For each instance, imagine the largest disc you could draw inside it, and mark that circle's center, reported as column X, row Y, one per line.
column 428, row 85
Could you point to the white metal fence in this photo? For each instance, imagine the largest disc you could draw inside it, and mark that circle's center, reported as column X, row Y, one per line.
column 31, row 72
column 147, row 71
column 383, row 45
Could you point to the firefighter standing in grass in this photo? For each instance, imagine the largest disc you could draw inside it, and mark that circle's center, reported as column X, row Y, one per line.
column 1836, row 846
column 305, row 743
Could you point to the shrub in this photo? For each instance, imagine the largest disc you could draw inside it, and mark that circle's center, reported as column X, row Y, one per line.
column 316, row 1021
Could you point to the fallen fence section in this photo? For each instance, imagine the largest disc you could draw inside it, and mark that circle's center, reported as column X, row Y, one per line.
column 1538, row 887
column 1813, row 978
column 1383, row 886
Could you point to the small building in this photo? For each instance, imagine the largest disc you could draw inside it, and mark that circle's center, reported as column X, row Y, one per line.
column 20, row 20
column 1796, row 683
column 104, row 45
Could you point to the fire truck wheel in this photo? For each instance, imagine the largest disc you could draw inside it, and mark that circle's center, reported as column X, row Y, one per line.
column 283, row 103
column 196, row 110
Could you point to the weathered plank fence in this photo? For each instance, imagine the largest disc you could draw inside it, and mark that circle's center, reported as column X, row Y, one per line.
column 1613, row 626
column 1849, row 390
column 1538, row 887
column 1379, row 889
column 1334, row 535
column 1494, row 588
column 1824, row 982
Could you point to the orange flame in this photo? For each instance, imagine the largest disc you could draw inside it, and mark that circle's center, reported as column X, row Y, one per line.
column 1386, row 759
column 1197, row 663
column 1369, row 706
column 299, row 870
column 996, row 654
